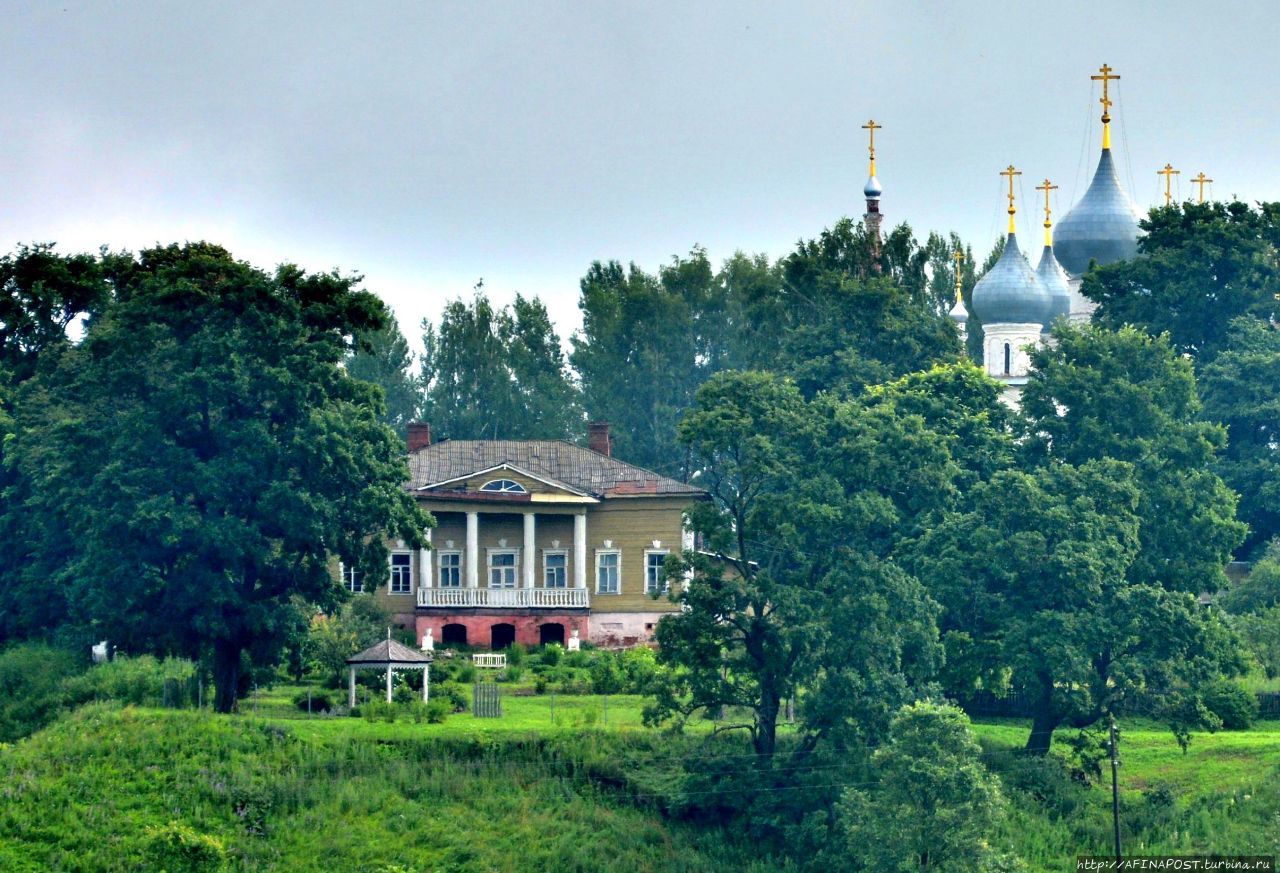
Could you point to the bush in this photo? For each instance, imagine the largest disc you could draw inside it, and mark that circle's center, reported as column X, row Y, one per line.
column 579, row 659
column 315, row 702
column 31, row 676
column 552, row 654
column 1230, row 702
column 455, row 695
column 516, row 655
column 376, row 710
column 438, row 710
column 139, row 681
column 513, row 674
column 606, row 674
column 467, row 673
column 176, row 848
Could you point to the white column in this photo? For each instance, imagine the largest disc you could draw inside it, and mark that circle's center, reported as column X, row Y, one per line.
column 580, row 550
column 424, row 564
column 530, row 550
column 351, row 697
column 388, row 683
column 473, row 550
column 426, row 683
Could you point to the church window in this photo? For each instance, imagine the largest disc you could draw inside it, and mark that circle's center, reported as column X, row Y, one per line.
column 503, row 486
column 1008, row 356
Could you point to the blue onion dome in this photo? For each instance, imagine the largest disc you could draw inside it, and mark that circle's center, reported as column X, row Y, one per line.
column 1102, row 227
column 1009, row 292
column 872, row 189
column 1054, row 279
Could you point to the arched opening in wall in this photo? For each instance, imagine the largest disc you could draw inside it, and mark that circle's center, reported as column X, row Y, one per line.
column 1008, row 358
column 502, row 635
column 551, row 632
column 454, row 633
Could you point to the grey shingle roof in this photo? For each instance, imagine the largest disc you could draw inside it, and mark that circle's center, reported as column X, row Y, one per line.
column 389, row 651
column 562, row 462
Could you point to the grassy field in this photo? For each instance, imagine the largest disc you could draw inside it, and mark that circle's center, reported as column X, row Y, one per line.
column 563, row 782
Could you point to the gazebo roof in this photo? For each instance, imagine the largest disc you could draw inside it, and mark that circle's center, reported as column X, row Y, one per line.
column 389, row 652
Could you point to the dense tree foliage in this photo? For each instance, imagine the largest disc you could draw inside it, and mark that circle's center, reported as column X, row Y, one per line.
column 382, row 357
column 798, row 596
column 200, row 457
column 1241, row 390
column 935, row 805
column 497, row 373
column 1200, row 265
column 1127, row 396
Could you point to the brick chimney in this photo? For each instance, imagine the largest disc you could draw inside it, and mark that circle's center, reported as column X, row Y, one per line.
column 419, row 435
column 598, row 437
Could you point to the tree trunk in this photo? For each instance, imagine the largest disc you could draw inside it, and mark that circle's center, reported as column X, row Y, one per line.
column 1043, row 721
column 767, row 728
column 226, row 674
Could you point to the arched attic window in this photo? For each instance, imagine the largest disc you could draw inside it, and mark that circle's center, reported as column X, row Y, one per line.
column 503, row 486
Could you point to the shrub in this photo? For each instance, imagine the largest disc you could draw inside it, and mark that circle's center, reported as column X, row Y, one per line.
column 438, row 710
column 640, row 669
column 314, row 702
column 467, row 673
column 552, row 654
column 578, row 659
column 516, row 655
column 139, row 680
column 1230, row 702
column 513, row 674
column 379, row 709
column 455, row 695
column 405, row 693
column 417, row 710
column 606, row 674
column 30, row 678
column 176, row 848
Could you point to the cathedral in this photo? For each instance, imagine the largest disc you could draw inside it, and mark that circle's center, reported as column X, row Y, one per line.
column 1017, row 304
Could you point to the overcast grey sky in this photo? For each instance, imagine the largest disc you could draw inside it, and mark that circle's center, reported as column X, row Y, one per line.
column 429, row 144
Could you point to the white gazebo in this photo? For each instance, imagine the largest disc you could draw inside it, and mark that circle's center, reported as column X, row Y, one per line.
column 390, row 656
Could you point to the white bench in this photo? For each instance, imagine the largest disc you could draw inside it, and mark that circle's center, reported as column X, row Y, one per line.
column 489, row 661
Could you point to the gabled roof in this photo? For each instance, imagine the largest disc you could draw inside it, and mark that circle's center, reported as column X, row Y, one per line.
column 557, row 461
column 389, row 652
column 545, row 480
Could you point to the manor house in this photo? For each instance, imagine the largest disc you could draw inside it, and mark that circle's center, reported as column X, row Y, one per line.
column 535, row 539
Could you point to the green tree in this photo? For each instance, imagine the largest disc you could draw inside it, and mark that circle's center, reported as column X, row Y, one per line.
column 935, row 806
column 1241, row 390
column 1034, row 579
column 844, row 326
column 797, row 597
column 497, row 373
column 1200, row 266
column 42, row 293
column 638, row 354
column 201, row 456
column 382, row 357
column 1124, row 395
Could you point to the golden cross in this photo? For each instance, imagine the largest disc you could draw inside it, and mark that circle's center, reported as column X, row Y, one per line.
column 1106, row 78
column 1201, row 180
column 1046, row 188
column 958, row 257
column 1168, row 172
column 872, row 127
column 1011, row 172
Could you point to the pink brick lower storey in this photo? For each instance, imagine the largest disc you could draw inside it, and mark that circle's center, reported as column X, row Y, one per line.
column 498, row 630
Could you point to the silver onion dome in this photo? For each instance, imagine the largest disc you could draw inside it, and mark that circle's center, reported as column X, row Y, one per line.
column 1102, row 227
column 958, row 313
column 1009, row 292
column 872, row 189
column 1053, row 278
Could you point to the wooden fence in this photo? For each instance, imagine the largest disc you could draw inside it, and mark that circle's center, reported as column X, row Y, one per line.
column 486, row 700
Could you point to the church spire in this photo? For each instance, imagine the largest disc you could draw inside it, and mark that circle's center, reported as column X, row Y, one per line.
column 872, row 191
column 1106, row 78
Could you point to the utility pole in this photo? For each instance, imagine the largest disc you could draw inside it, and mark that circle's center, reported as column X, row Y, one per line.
column 1115, row 786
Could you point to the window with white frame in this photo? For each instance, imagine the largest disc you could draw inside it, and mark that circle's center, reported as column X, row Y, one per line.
column 502, row 569
column 655, row 579
column 555, row 569
column 352, row 579
column 503, row 486
column 449, row 569
column 608, row 572
column 401, row 573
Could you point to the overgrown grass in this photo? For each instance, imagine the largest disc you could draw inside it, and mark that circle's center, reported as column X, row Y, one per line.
column 91, row 793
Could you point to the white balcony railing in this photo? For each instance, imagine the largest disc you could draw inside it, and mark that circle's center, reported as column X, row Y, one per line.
column 504, row 598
